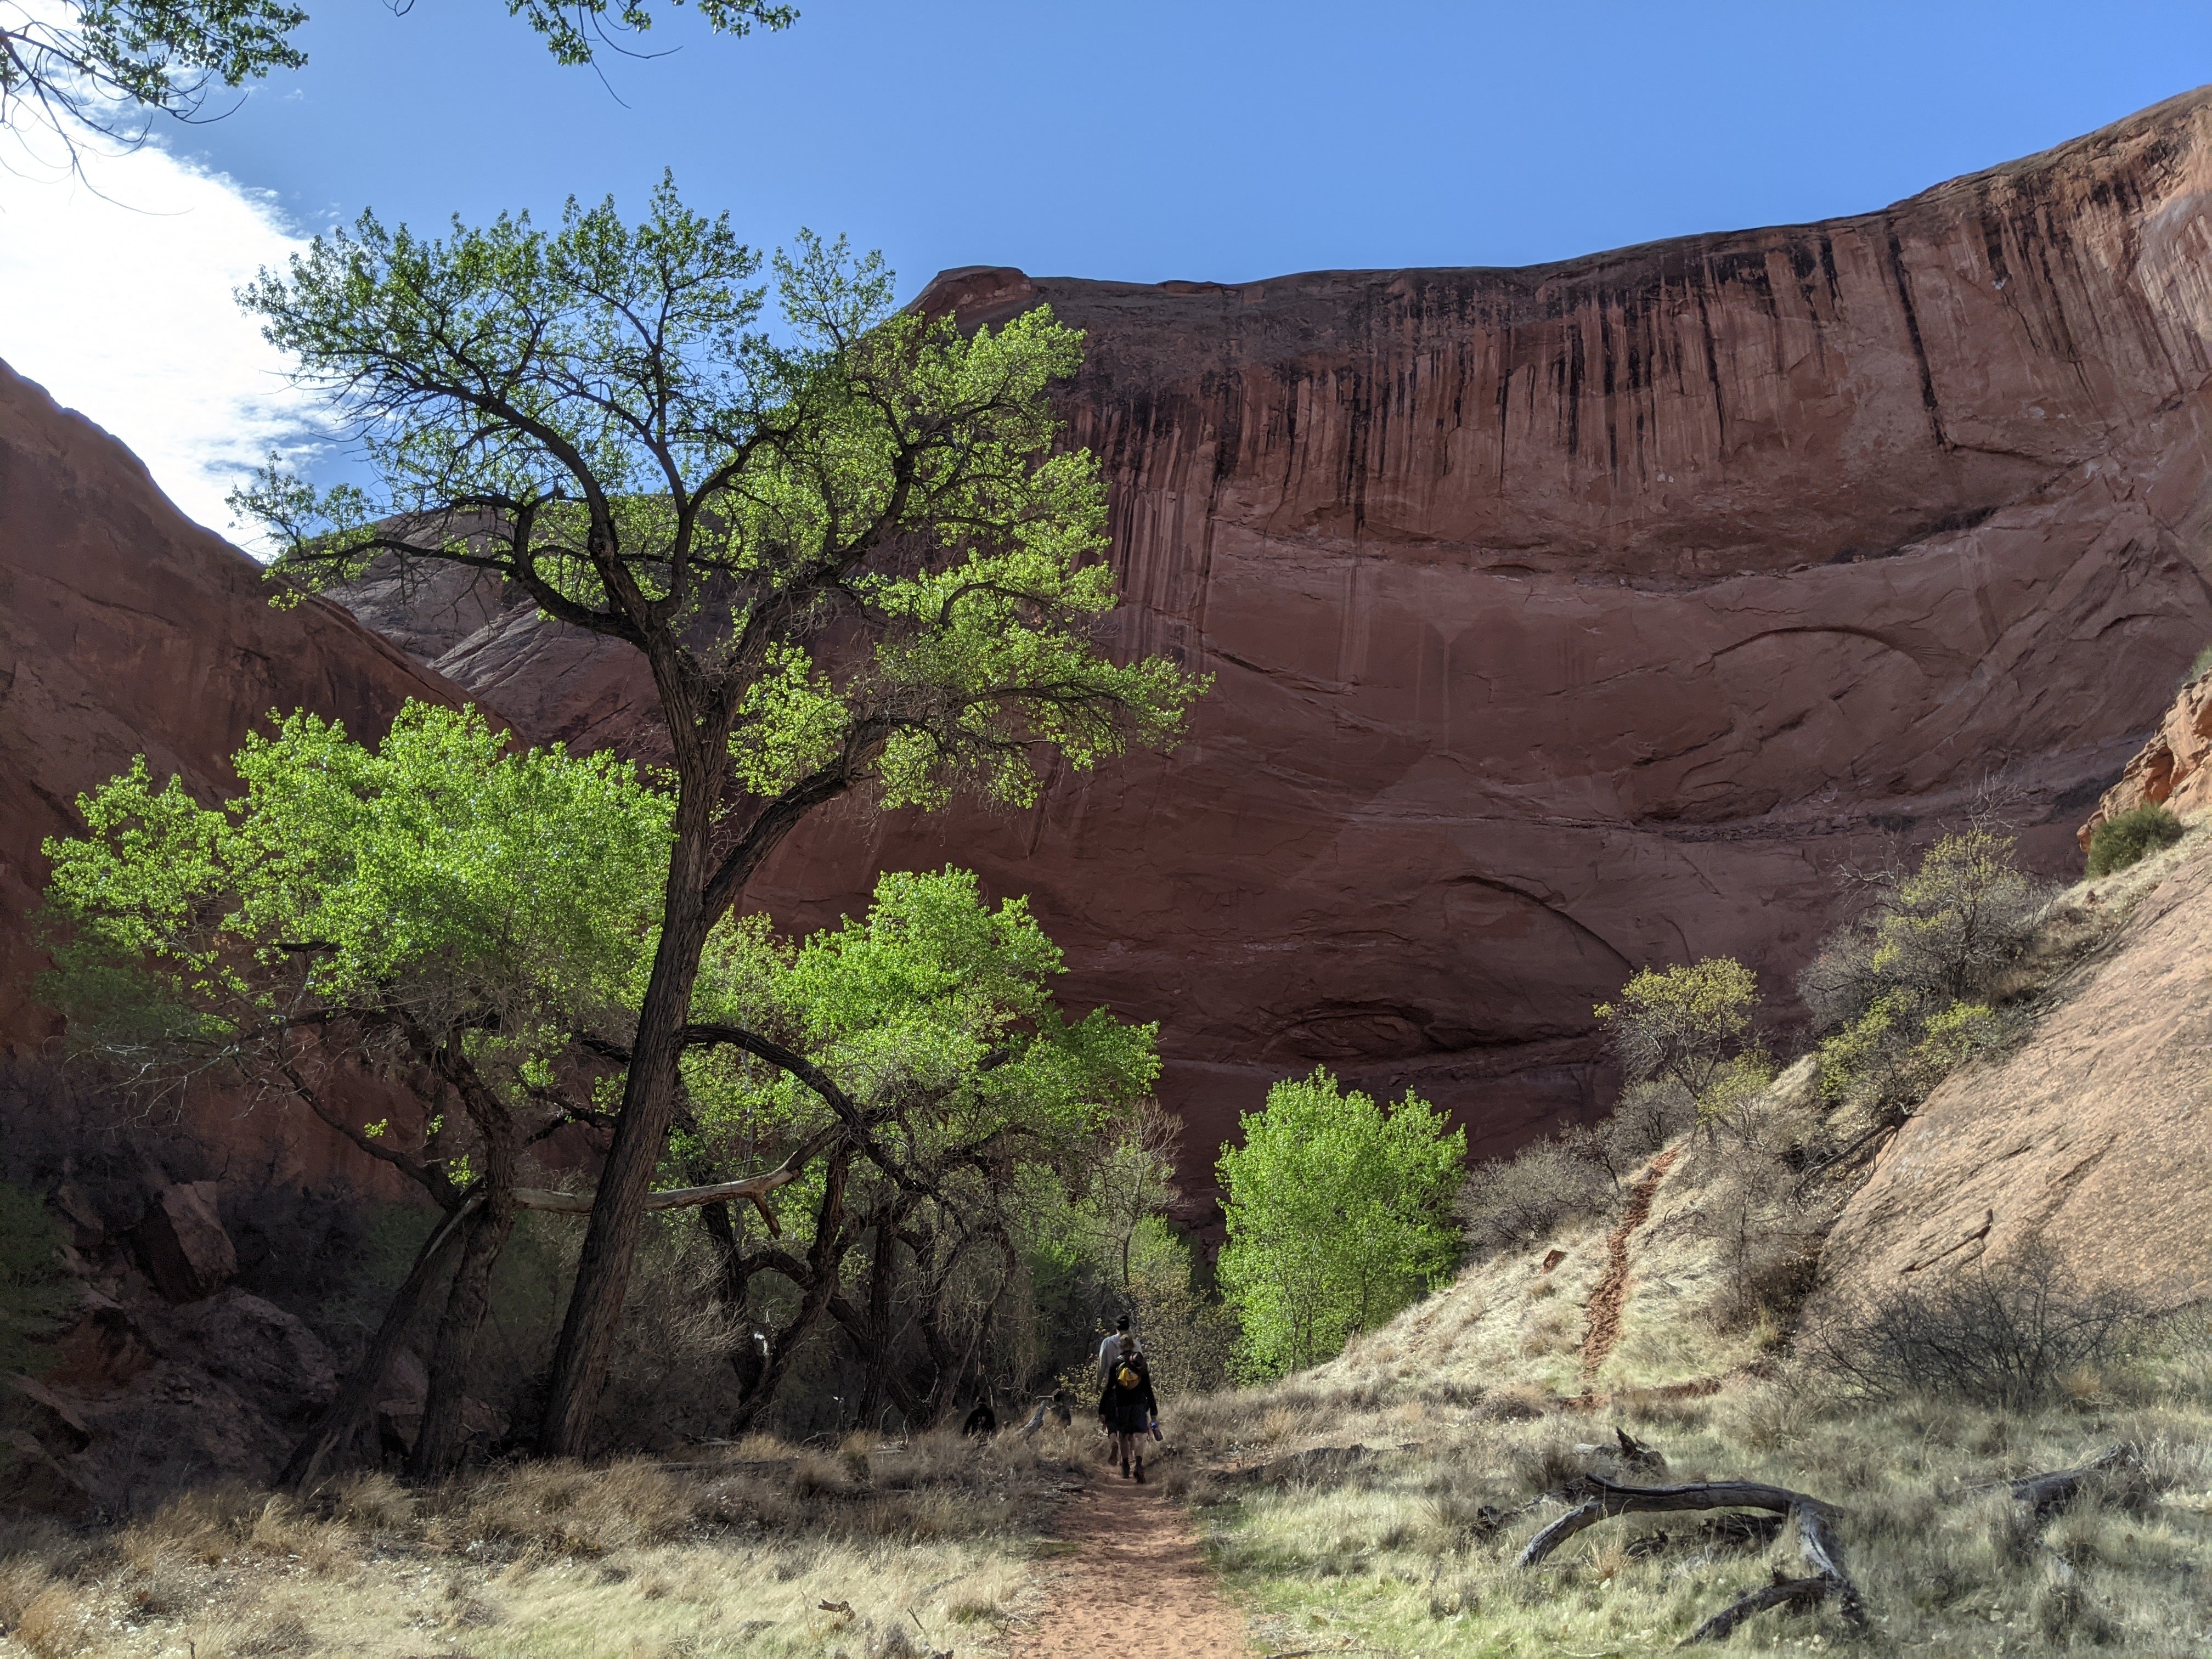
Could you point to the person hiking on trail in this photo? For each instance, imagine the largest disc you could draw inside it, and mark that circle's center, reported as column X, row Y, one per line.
column 1127, row 1407
column 1109, row 1350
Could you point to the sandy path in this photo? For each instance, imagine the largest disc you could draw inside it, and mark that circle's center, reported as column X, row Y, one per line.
column 1136, row 1586
column 1605, row 1302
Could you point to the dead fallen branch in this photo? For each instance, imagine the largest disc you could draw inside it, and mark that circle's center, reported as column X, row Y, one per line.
column 1812, row 1519
column 1798, row 1592
column 1606, row 1500
column 2048, row 1493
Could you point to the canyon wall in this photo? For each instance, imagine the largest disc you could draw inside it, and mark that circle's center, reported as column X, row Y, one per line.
column 1575, row 617
column 127, row 630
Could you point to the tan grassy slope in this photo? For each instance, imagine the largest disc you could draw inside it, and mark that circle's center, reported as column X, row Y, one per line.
column 1475, row 1410
column 2091, row 1128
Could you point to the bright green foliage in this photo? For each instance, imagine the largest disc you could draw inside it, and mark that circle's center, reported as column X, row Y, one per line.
column 1338, row 1213
column 852, row 562
column 2130, row 837
column 982, row 1109
column 35, row 1292
column 1683, row 1024
column 436, row 888
column 628, row 446
column 935, row 1014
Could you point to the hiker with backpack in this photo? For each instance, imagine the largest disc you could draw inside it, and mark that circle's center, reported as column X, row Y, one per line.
column 1128, row 1407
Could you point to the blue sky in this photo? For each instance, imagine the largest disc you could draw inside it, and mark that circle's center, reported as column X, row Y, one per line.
column 1205, row 140
column 1213, row 139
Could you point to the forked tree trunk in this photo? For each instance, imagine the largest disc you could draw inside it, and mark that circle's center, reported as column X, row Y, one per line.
column 358, row 1392
column 438, row 1442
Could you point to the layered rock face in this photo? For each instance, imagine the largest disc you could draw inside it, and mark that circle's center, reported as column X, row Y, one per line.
column 126, row 629
column 1571, row 619
column 2169, row 771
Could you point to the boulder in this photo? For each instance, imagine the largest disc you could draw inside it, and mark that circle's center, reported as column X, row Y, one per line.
column 54, row 1420
column 33, row 1482
column 186, row 1252
column 104, row 1352
column 269, row 1356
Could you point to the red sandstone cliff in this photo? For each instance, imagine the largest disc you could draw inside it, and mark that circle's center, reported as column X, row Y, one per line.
column 125, row 630
column 1579, row 616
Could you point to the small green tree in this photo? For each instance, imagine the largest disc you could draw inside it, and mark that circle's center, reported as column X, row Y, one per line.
column 1683, row 1025
column 1338, row 1213
column 851, row 560
column 1688, row 1049
column 921, row 1047
column 460, row 918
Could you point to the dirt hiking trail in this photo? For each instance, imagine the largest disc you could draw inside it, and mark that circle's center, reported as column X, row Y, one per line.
column 1605, row 1301
column 1136, row 1584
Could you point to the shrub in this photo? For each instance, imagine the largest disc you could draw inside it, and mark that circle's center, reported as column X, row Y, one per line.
column 1683, row 1025
column 2131, row 837
column 1510, row 1201
column 2006, row 1334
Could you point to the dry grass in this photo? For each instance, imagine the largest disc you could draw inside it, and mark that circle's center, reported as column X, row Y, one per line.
column 914, row 1543
column 1412, row 1550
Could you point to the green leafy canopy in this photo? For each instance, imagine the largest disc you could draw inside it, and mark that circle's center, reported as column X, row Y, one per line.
column 935, row 1014
column 596, row 414
column 432, row 885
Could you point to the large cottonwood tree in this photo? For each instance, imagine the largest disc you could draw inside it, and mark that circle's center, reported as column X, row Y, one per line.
column 848, row 556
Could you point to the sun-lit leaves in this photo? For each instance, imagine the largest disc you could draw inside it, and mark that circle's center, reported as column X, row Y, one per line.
column 934, row 1013
column 855, row 540
column 1338, row 1211
column 439, row 880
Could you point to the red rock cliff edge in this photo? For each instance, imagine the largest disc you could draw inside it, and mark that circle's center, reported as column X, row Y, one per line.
column 1576, row 618
column 127, row 630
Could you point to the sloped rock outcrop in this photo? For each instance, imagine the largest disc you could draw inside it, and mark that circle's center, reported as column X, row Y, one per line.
column 1570, row 618
column 2090, row 1137
column 2169, row 770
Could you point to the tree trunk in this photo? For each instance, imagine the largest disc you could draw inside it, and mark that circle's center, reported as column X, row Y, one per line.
column 823, row 1258
column 649, row 1094
column 337, row 1423
column 438, row 1443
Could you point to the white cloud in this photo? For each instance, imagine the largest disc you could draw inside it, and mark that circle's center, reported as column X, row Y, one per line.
column 115, row 295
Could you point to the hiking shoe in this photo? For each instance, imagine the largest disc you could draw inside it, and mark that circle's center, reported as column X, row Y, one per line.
column 1140, row 1471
